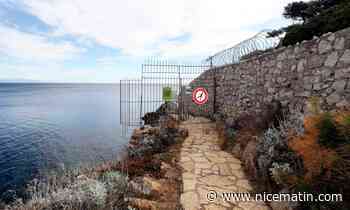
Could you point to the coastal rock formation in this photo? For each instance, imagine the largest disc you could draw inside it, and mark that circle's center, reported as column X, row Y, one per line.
column 152, row 118
column 152, row 163
column 150, row 140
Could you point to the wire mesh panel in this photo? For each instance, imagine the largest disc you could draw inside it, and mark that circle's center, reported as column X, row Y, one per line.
column 130, row 100
column 156, row 77
column 164, row 88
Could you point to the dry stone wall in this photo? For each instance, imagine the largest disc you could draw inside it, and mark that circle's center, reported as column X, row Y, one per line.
column 318, row 67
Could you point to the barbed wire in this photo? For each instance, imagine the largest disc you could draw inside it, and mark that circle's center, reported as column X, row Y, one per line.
column 259, row 42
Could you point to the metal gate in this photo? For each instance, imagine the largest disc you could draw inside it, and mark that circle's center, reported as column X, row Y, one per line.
column 143, row 100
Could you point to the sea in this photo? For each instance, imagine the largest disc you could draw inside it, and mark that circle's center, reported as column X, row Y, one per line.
column 46, row 127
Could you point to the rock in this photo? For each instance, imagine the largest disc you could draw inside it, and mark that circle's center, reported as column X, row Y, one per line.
column 183, row 132
column 331, row 37
column 167, row 108
column 339, row 43
column 339, row 86
column 327, row 74
column 339, row 74
column 151, row 118
column 316, row 61
column 333, row 98
column 155, row 186
column 346, row 57
column 9, row 196
column 145, row 204
column 270, row 115
column 316, row 86
column 137, row 186
column 281, row 56
column 301, row 65
column 170, row 172
column 342, row 104
column 168, row 122
column 237, row 151
column 218, row 117
column 324, row 46
column 151, row 140
column 249, row 159
column 145, row 145
column 332, row 59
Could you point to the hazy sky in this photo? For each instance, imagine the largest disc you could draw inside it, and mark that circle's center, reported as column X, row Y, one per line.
column 108, row 40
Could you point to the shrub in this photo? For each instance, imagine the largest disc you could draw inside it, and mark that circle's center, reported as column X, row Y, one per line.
column 328, row 132
column 315, row 157
column 230, row 133
column 292, row 124
column 280, row 173
column 343, row 123
column 273, row 148
column 74, row 191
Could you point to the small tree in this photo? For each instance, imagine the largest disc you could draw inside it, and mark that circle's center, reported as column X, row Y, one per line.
column 306, row 10
column 297, row 11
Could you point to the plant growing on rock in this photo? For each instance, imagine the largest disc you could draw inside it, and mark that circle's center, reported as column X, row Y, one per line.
column 292, row 124
column 314, row 105
column 280, row 173
column 315, row 157
column 328, row 132
column 273, row 148
column 342, row 120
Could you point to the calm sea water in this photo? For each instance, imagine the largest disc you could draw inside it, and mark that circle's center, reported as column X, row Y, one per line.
column 48, row 126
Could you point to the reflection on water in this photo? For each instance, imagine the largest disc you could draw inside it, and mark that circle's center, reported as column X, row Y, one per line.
column 43, row 126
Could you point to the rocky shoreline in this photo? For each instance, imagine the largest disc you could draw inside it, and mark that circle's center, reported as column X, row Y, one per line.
column 153, row 158
column 148, row 177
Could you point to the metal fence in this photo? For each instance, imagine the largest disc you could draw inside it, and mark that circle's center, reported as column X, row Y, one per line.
column 145, row 95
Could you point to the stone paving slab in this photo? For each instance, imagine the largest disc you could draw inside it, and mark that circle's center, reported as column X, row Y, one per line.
column 206, row 168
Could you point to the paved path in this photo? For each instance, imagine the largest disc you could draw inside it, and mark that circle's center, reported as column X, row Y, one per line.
column 207, row 168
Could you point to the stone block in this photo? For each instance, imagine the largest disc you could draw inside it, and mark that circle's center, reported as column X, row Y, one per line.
column 339, row 43
column 331, row 60
column 346, row 57
column 333, row 98
column 324, row 46
column 339, row 86
column 315, row 61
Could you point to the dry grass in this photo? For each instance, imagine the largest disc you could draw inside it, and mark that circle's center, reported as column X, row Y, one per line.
column 92, row 188
column 315, row 157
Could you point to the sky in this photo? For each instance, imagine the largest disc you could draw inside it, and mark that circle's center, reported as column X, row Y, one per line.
column 103, row 41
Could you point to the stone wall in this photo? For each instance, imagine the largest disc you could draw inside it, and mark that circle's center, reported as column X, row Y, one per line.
column 319, row 67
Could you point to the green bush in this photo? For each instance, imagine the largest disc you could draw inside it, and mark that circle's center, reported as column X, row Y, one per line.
column 231, row 134
column 329, row 135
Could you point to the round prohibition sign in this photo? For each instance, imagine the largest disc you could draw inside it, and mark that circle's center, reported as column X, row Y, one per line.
column 200, row 96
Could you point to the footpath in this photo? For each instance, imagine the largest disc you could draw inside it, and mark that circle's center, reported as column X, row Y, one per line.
column 208, row 172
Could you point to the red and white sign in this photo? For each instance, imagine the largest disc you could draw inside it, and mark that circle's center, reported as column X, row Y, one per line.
column 200, row 96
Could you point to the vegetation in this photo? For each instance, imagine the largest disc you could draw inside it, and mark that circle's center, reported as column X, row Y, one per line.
column 316, row 18
column 77, row 189
column 325, row 154
column 302, row 153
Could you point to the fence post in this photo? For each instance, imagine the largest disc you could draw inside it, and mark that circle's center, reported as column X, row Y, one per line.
column 212, row 68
